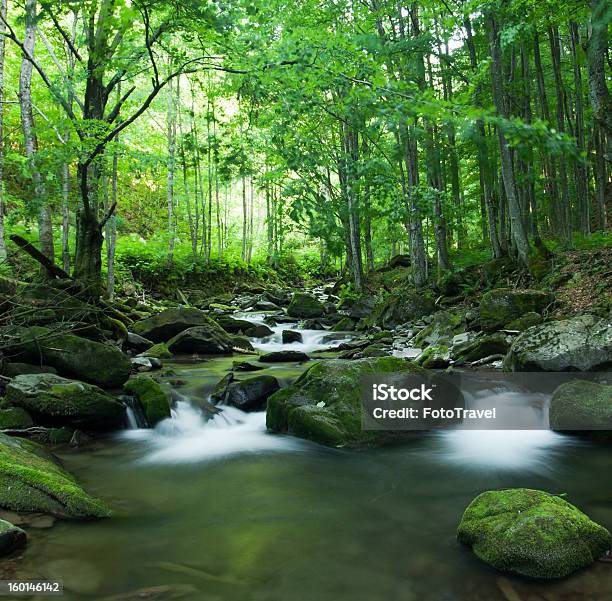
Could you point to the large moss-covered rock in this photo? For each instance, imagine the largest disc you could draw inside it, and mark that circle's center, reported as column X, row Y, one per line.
column 233, row 325
column 581, row 405
column 169, row 323
column 324, row 406
column 72, row 356
column 485, row 346
column 441, row 330
column 363, row 306
column 582, row 343
column 152, row 397
column 209, row 339
column 52, row 400
column 398, row 309
column 531, row 533
column 305, row 305
column 14, row 418
column 500, row 306
column 30, row 480
column 434, row 357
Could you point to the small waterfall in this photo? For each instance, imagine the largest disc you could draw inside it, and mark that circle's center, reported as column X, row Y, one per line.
column 188, row 437
column 135, row 416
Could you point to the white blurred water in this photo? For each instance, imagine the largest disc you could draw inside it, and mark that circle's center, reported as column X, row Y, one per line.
column 186, row 437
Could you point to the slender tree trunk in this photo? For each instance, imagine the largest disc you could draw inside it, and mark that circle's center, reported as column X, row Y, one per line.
column 516, row 219
column 564, row 208
column 30, row 138
column 66, row 216
column 580, row 167
column 2, row 55
column 244, row 220
column 597, row 48
column 171, row 169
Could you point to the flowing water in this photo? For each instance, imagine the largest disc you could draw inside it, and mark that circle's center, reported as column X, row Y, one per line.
column 219, row 509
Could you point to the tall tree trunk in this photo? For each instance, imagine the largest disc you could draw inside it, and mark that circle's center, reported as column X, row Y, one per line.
column 580, row 167
column 597, row 47
column 30, row 138
column 516, row 218
column 244, row 219
column 171, row 168
column 111, row 224
column 2, row 54
column 484, row 165
column 564, row 208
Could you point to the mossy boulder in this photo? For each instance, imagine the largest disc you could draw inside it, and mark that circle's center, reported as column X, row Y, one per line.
column 52, row 400
column 401, row 308
column 500, row 306
column 531, row 533
column 30, row 480
column 444, row 325
column 324, row 406
column 581, row 405
column 11, row 538
column 345, row 324
column 72, row 356
column 169, row 323
column 525, row 322
column 14, row 418
column 434, row 357
column 582, row 343
column 305, row 306
column 152, row 397
column 10, row 370
column 485, row 346
column 158, row 351
column 233, row 325
column 208, row 339
column 363, row 306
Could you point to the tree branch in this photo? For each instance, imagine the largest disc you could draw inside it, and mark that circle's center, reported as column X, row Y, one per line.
column 64, row 35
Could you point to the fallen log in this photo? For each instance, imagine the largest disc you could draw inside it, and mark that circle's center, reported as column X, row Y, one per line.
column 52, row 269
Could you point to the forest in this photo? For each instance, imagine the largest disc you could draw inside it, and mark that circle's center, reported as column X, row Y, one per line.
column 223, row 223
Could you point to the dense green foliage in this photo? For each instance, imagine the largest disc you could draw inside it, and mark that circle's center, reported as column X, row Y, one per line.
column 180, row 140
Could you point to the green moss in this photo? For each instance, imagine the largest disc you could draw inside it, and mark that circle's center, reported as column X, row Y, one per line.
column 531, row 533
column 324, row 405
column 500, row 306
column 581, row 405
column 346, row 324
column 158, row 351
column 434, row 357
column 31, row 481
column 305, row 305
column 14, row 418
column 494, row 344
column 11, row 537
column 525, row 322
column 152, row 397
column 54, row 400
column 73, row 356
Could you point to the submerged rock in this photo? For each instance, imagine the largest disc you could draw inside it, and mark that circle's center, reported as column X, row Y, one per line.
column 250, row 394
column 152, row 397
column 500, row 306
column 581, row 405
column 169, row 323
column 280, row 356
column 582, row 343
column 73, row 356
column 11, row 537
column 305, row 305
column 208, row 339
column 53, row 400
column 30, row 480
column 324, row 405
column 531, row 533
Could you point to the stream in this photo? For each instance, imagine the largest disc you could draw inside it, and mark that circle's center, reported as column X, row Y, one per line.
column 219, row 509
